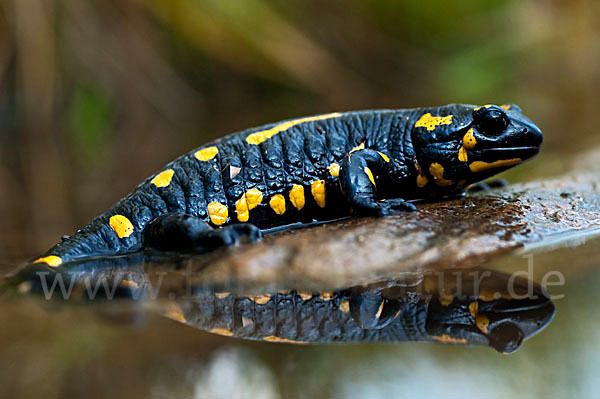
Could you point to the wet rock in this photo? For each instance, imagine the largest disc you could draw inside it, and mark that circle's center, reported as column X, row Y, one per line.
column 461, row 232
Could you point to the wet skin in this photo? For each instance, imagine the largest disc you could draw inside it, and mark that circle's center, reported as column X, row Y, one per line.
column 310, row 169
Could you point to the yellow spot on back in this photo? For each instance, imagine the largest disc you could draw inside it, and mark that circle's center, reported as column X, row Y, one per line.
column 422, row 181
column 297, row 196
column 380, row 310
column 121, row 225
column 437, row 171
column 446, row 300
column 163, row 179
column 385, row 157
column 222, row 331
column 129, row 284
column 334, row 169
column 260, row 299
column 345, row 306
column 174, row 312
column 206, row 154
column 218, row 213
column 326, row 295
column 482, row 323
column 50, row 260
column 479, row 166
column 361, row 146
column 474, row 308
column 241, row 208
column 431, row 122
column 446, row 339
column 317, row 188
column 222, row 295
column 247, row 202
column 272, row 338
column 305, row 295
column 253, row 197
column 263, row 135
column 462, row 155
column 469, row 141
column 505, row 107
column 277, row 203
column 370, row 175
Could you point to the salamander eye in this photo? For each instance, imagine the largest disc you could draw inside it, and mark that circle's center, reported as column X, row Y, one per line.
column 491, row 120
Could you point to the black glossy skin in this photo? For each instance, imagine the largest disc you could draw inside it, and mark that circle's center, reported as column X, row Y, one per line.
column 299, row 155
column 374, row 313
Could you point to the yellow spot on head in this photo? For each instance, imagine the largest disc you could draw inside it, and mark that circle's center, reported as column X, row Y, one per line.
column 317, row 188
column 479, row 166
column 222, row 331
column 273, row 338
column 380, row 310
column 446, row 300
column 284, row 292
column 483, row 106
column 474, row 308
column 259, row 137
column 163, row 179
column 121, row 225
column 277, row 203
column 218, row 213
column 334, row 169
column 305, row 295
column 326, row 295
column 385, row 157
column 446, row 339
column 345, row 306
column 437, row 171
column 50, row 260
column 462, row 155
column 482, row 323
column 222, row 295
column 505, row 107
column 241, row 208
column 253, row 197
column 206, row 154
column 260, row 299
column 469, row 141
column 361, row 146
column 297, row 196
column 422, row 181
column 370, row 175
column 431, row 122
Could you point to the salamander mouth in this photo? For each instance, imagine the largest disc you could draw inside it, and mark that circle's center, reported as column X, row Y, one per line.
column 510, row 152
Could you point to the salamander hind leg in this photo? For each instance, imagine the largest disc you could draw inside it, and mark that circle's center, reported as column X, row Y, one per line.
column 186, row 233
column 362, row 185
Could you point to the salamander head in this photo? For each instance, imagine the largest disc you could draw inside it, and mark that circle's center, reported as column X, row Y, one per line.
column 456, row 145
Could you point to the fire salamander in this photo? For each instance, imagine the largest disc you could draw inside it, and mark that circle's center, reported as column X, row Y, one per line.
column 382, row 312
column 315, row 168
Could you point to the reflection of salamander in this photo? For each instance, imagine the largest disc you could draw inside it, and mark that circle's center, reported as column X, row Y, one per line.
column 315, row 168
column 377, row 313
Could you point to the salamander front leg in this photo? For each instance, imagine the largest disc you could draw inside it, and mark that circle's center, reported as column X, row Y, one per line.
column 186, row 233
column 360, row 174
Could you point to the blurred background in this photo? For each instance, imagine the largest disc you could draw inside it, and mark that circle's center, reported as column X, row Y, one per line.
column 97, row 95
